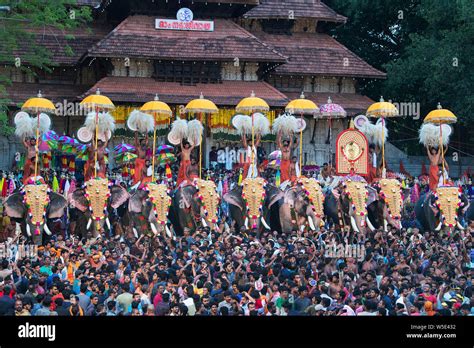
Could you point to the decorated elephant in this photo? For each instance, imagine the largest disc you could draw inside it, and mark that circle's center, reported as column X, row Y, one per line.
column 445, row 207
column 349, row 203
column 151, row 205
column 194, row 206
column 253, row 203
column 302, row 204
column 96, row 201
column 386, row 207
column 33, row 205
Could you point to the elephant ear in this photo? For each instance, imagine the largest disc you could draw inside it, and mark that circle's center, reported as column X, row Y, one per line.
column 234, row 197
column 137, row 200
column 118, row 196
column 78, row 200
column 274, row 194
column 14, row 206
column 57, row 203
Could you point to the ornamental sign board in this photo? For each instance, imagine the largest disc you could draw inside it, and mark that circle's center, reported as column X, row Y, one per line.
column 184, row 21
column 352, row 153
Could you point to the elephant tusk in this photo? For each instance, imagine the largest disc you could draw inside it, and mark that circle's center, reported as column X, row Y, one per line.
column 439, row 226
column 107, row 221
column 385, row 225
column 354, row 224
column 204, row 223
column 311, row 223
column 369, row 223
column 265, row 223
column 246, row 223
column 459, row 226
column 135, row 233
column 28, row 231
column 46, row 229
column 89, row 224
column 153, row 229
column 168, row 232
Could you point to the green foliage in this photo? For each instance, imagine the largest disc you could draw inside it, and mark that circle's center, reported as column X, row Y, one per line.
column 17, row 37
column 426, row 48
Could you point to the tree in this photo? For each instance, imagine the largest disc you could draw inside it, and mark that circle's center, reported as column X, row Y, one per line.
column 18, row 21
column 425, row 46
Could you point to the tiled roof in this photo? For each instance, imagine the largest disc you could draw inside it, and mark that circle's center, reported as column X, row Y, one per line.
column 299, row 8
column 318, row 54
column 227, row 93
column 353, row 103
column 136, row 37
column 56, row 42
column 18, row 93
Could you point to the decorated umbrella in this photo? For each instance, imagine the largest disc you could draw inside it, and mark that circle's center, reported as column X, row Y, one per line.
column 201, row 106
column 164, row 149
column 303, row 107
column 439, row 117
column 156, row 108
column 274, row 164
column 275, row 155
column 331, row 111
column 126, row 157
column 165, row 158
column 38, row 105
column 122, row 148
column 382, row 110
column 97, row 102
column 251, row 105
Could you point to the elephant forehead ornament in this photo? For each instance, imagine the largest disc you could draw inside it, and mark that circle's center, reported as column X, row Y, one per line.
column 358, row 195
column 313, row 191
column 448, row 200
column 158, row 194
column 36, row 199
column 97, row 194
column 253, row 193
column 209, row 198
column 391, row 193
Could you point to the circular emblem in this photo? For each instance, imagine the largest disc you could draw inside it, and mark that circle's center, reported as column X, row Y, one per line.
column 185, row 15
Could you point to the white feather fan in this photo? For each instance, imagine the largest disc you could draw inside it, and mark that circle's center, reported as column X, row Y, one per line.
column 429, row 134
column 368, row 129
column 378, row 131
column 106, row 122
column 285, row 123
column 24, row 127
column 261, row 124
column 242, row 123
column 179, row 129
column 195, row 130
column 140, row 121
column 44, row 123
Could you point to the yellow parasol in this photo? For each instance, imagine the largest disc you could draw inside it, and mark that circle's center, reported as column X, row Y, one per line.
column 302, row 106
column 37, row 105
column 251, row 105
column 201, row 106
column 439, row 117
column 97, row 102
column 155, row 108
column 382, row 110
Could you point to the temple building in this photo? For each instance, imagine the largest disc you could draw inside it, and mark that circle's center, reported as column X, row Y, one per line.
column 135, row 50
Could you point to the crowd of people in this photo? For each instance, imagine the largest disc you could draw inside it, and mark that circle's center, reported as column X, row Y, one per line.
column 407, row 272
column 205, row 273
